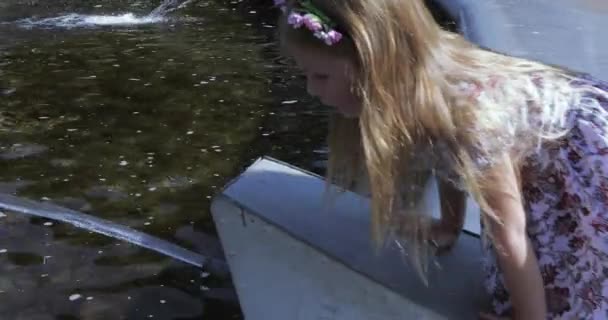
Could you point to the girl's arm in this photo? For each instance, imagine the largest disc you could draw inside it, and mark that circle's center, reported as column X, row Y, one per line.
column 514, row 251
column 453, row 204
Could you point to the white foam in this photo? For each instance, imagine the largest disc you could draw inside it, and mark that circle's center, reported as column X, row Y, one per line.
column 127, row 19
column 74, row 297
column 74, row 20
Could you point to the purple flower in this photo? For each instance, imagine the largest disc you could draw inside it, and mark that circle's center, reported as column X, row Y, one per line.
column 295, row 19
column 330, row 38
column 312, row 23
column 334, row 36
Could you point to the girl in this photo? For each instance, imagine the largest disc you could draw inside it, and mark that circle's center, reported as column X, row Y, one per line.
column 528, row 141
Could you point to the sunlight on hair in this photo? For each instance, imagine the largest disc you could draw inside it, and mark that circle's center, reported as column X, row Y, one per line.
column 433, row 101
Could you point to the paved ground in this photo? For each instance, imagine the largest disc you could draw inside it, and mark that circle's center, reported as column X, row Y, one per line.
column 565, row 32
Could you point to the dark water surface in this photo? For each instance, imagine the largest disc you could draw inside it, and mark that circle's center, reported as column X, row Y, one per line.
column 141, row 125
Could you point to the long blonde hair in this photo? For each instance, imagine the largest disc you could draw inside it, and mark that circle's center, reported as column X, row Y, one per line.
column 411, row 76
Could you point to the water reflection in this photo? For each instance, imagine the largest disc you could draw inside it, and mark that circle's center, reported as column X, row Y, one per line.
column 140, row 125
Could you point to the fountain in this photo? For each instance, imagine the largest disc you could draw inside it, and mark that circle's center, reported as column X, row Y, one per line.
column 169, row 6
column 75, row 20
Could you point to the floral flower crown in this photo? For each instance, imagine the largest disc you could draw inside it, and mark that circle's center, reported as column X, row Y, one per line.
column 306, row 14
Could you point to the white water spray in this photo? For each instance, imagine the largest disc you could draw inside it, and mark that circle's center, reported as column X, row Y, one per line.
column 74, row 20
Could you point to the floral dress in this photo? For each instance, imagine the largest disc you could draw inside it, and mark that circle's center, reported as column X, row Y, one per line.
column 565, row 191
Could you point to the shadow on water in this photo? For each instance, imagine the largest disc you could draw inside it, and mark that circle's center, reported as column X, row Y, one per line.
column 140, row 124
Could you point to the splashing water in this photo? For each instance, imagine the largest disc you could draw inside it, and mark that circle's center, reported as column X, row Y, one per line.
column 75, row 20
column 78, row 20
column 169, row 6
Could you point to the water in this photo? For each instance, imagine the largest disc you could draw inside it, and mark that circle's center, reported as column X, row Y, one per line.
column 75, row 20
column 169, row 6
column 140, row 124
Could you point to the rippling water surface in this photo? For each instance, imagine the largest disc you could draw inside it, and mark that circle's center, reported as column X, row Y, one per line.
column 138, row 119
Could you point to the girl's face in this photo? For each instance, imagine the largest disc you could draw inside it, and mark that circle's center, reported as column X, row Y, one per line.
column 329, row 78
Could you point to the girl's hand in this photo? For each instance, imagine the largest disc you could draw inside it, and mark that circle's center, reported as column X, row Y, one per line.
column 443, row 236
column 487, row 316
